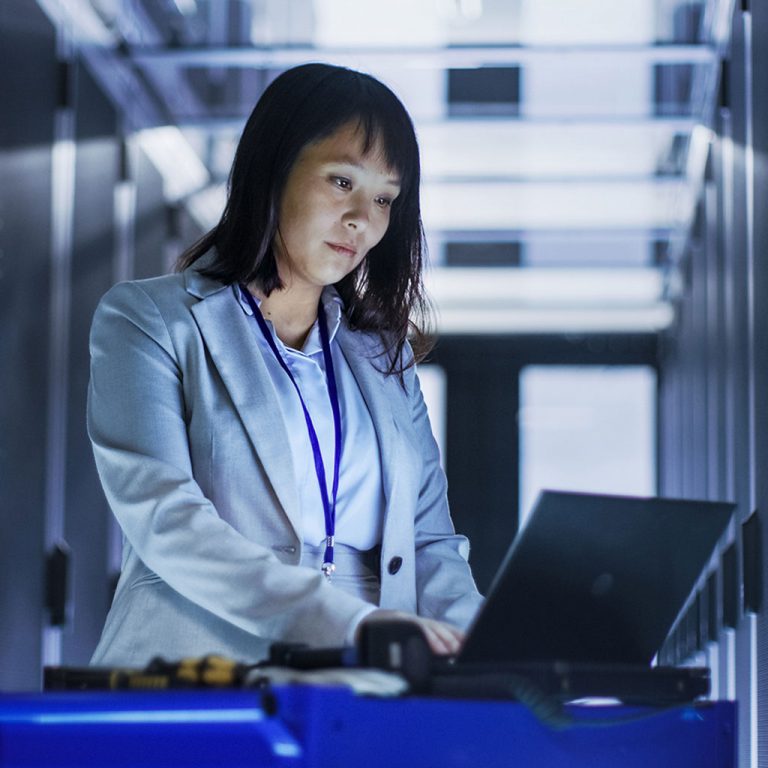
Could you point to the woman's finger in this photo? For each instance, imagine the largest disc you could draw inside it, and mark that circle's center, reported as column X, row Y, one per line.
column 442, row 638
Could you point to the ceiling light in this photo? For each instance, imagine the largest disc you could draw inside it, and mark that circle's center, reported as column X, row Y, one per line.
column 182, row 170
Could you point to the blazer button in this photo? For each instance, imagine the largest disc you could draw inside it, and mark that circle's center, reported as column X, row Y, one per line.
column 394, row 565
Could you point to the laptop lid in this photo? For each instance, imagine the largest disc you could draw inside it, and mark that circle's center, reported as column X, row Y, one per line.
column 595, row 578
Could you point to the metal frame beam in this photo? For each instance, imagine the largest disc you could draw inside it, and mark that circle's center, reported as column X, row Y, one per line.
column 452, row 57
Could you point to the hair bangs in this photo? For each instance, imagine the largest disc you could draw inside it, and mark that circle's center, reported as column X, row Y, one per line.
column 383, row 131
column 347, row 97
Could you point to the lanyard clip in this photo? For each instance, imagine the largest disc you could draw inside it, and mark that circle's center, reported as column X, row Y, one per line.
column 328, row 566
column 328, row 569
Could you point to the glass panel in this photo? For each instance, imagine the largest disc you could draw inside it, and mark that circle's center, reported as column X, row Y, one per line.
column 432, row 378
column 587, row 429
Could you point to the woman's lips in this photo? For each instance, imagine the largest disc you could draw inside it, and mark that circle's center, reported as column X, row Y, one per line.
column 344, row 250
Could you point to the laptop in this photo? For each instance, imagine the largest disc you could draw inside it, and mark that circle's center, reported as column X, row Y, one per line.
column 588, row 592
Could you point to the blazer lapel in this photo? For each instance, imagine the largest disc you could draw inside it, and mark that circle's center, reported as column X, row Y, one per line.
column 361, row 358
column 236, row 355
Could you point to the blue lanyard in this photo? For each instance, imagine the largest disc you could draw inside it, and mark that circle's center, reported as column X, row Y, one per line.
column 329, row 504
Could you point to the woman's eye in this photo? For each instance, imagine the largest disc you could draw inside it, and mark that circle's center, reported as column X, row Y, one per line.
column 341, row 182
column 384, row 202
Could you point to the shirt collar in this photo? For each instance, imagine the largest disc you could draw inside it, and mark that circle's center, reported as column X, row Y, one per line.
column 333, row 305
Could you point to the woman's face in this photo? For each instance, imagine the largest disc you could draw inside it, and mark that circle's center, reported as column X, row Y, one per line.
column 334, row 209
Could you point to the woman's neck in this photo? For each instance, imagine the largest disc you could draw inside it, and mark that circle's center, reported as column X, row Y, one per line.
column 291, row 312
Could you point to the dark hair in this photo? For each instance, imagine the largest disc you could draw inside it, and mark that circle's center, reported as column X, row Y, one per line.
column 384, row 294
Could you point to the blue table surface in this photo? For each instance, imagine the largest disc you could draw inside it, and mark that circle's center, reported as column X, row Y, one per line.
column 299, row 725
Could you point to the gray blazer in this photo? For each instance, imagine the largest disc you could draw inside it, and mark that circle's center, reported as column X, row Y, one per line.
column 193, row 456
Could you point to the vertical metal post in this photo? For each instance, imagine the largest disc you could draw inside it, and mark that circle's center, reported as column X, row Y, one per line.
column 125, row 214
column 749, row 176
column 123, row 268
column 62, row 219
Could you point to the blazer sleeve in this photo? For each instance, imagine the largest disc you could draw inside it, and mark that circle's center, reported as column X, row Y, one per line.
column 445, row 587
column 136, row 422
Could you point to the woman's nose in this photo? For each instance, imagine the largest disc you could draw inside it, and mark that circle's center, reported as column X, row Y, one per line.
column 356, row 217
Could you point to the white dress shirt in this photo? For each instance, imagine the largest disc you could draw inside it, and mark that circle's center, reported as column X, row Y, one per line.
column 360, row 500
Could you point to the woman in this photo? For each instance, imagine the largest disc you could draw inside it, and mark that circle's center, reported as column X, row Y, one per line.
column 256, row 418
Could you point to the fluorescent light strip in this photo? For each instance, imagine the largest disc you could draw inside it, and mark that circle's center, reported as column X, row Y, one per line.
column 548, row 300
column 530, row 286
column 207, row 205
column 546, row 234
column 480, row 320
column 180, row 166
column 553, row 150
column 81, row 20
column 553, row 205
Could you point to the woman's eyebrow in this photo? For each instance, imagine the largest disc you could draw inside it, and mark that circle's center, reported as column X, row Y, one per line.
column 393, row 181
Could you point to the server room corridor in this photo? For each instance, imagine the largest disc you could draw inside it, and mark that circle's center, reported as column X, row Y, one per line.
column 594, row 197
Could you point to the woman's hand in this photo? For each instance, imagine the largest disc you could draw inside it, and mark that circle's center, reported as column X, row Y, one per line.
column 444, row 639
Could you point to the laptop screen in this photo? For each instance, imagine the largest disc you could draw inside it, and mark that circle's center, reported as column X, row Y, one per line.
column 595, row 578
